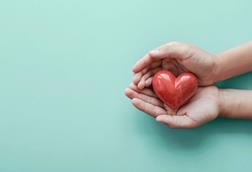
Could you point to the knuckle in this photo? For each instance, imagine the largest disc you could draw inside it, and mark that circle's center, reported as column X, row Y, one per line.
column 150, row 55
column 174, row 43
column 192, row 46
column 179, row 44
column 183, row 48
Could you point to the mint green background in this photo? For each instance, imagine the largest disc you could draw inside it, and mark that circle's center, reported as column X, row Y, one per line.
column 63, row 69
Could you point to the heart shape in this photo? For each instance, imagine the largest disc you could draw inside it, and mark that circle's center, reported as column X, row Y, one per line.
column 173, row 91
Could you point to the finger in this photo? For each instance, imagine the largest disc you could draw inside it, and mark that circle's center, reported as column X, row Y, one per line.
column 137, row 78
column 174, row 121
column 148, row 82
column 171, row 50
column 142, row 63
column 141, row 83
column 147, row 107
column 171, row 66
column 139, row 75
column 144, row 71
column 133, row 94
column 155, row 64
column 146, row 91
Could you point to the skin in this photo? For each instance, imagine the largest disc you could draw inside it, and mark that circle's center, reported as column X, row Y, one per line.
column 235, row 103
column 234, row 62
column 202, row 108
column 209, row 102
column 180, row 57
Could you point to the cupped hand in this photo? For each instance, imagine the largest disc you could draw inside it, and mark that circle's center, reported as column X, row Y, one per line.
column 178, row 58
column 202, row 108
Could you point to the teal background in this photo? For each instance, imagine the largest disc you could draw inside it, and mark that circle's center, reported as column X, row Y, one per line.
column 63, row 69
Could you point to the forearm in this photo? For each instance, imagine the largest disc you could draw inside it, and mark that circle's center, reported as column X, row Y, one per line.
column 234, row 62
column 235, row 103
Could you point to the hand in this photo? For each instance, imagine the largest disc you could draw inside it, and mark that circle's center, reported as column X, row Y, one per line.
column 202, row 108
column 178, row 58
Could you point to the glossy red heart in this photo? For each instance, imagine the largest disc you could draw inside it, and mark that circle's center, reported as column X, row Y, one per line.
column 173, row 91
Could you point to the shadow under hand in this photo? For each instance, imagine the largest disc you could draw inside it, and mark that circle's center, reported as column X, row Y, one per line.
column 190, row 139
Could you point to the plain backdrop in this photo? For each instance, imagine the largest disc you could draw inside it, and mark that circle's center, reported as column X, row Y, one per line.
column 64, row 65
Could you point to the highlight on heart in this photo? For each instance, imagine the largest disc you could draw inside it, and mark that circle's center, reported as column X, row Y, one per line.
column 175, row 84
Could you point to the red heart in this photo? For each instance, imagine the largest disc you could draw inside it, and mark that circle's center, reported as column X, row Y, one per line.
column 173, row 91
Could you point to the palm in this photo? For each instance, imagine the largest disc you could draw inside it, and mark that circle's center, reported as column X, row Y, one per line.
column 203, row 107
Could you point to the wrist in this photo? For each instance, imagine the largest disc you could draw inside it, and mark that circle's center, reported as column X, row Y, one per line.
column 217, row 68
column 222, row 102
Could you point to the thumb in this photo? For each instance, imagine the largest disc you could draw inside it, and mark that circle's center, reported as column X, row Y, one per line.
column 177, row 121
